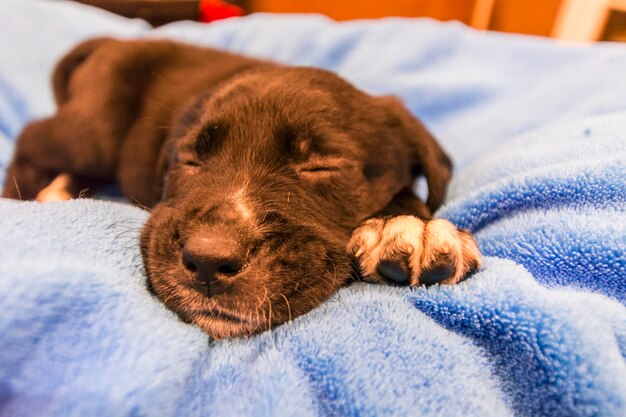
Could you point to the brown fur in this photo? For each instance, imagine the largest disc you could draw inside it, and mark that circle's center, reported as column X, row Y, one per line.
column 257, row 173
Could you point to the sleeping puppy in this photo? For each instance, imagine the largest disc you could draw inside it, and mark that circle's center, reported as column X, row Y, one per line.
column 268, row 184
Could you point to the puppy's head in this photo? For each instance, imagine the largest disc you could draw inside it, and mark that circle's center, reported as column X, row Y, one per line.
column 266, row 178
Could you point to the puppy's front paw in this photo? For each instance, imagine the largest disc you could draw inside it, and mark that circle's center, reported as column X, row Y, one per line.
column 409, row 251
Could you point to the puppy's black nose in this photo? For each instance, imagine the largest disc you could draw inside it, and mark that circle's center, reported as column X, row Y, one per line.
column 207, row 257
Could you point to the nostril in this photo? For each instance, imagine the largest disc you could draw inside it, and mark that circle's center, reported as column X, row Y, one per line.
column 188, row 261
column 229, row 268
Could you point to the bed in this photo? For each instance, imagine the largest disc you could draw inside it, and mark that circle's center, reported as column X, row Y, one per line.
column 537, row 131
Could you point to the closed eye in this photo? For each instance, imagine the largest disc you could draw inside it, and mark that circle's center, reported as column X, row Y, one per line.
column 186, row 159
column 190, row 167
column 319, row 169
column 318, row 172
column 191, row 163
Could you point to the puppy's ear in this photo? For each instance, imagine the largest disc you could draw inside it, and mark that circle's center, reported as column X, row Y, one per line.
column 429, row 159
column 68, row 64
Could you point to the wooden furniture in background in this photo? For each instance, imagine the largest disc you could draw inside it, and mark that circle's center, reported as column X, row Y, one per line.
column 160, row 12
column 342, row 10
column 534, row 17
column 615, row 28
column 531, row 17
column 585, row 20
column 156, row 12
column 481, row 16
column 573, row 20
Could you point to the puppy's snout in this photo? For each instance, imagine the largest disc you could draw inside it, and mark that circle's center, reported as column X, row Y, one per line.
column 209, row 257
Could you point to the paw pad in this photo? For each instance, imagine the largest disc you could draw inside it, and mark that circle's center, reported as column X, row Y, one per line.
column 405, row 250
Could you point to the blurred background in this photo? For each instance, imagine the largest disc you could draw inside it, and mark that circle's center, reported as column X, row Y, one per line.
column 571, row 20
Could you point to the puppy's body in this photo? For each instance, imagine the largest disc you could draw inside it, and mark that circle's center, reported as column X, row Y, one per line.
column 258, row 173
column 116, row 103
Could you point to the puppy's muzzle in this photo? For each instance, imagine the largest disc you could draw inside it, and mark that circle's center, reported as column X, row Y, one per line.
column 212, row 260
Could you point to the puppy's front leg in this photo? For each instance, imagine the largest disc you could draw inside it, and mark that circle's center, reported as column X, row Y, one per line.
column 403, row 245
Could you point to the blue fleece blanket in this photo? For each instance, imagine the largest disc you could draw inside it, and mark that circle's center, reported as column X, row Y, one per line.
column 538, row 134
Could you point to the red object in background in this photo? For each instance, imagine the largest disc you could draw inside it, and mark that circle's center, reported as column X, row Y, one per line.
column 211, row 10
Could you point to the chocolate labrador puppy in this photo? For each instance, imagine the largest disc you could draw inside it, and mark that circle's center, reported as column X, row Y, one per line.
column 267, row 183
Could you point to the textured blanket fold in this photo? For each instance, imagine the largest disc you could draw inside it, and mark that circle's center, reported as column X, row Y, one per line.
column 538, row 134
